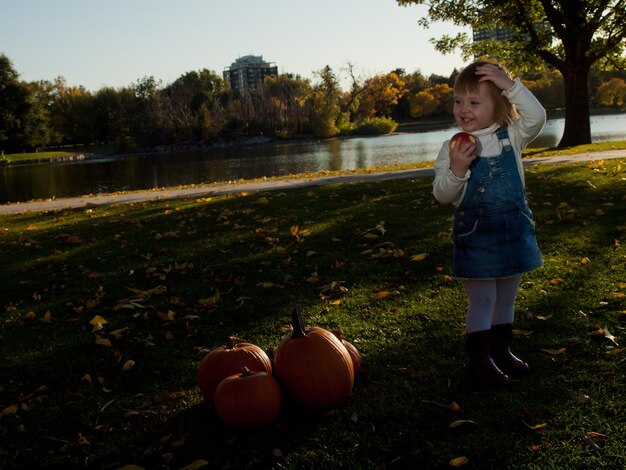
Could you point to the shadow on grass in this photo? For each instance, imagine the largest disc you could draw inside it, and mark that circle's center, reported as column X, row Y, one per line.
column 263, row 252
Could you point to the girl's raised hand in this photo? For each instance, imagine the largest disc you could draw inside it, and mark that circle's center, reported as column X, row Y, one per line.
column 495, row 73
column 461, row 157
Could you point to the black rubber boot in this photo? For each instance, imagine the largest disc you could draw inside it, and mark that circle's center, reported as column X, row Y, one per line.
column 501, row 338
column 481, row 363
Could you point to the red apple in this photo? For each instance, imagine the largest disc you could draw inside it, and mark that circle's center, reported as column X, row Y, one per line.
column 462, row 138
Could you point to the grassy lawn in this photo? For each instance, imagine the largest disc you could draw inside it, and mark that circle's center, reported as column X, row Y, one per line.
column 86, row 149
column 16, row 157
column 151, row 272
column 597, row 147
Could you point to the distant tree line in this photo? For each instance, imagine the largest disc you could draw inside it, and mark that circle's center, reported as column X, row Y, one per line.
column 199, row 107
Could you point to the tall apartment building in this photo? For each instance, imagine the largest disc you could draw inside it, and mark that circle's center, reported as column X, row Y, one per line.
column 498, row 34
column 245, row 74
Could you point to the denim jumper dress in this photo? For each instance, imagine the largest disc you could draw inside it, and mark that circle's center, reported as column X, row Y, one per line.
column 494, row 231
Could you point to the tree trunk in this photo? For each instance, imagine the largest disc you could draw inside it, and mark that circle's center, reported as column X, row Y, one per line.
column 577, row 126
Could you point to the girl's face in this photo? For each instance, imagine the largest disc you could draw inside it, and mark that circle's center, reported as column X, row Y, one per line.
column 473, row 112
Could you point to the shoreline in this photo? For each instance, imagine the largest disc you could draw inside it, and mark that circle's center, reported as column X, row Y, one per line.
column 92, row 201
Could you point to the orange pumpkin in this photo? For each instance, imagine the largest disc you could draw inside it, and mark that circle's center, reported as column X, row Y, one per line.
column 224, row 361
column 352, row 350
column 313, row 366
column 248, row 400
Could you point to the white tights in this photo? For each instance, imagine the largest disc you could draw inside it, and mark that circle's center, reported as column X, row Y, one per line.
column 491, row 302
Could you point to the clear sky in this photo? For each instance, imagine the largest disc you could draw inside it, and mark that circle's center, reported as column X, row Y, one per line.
column 97, row 43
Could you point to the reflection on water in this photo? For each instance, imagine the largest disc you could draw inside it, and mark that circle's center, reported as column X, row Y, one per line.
column 42, row 181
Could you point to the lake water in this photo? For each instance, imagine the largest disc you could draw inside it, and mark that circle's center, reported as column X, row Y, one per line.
column 105, row 175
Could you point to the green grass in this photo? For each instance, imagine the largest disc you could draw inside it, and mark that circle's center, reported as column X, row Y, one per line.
column 72, row 150
column 15, row 157
column 75, row 405
column 597, row 147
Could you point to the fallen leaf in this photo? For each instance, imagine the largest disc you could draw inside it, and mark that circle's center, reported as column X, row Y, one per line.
column 608, row 373
column 459, row 461
column 461, row 422
column 523, row 332
column 103, row 341
column 169, row 316
column 210, row 300
column 267, row 285
column 119, row 333
column 454, row 406
column 598, row 332
column 554, row 352
column 590, row 442
column 82, row 440
column 614, row 352
column 419, row 257
column 9, row 410
column 609, row 336
column 382, row 294
column 195, row 465
column 128, row 365
column 541, row 317
column 371, row 236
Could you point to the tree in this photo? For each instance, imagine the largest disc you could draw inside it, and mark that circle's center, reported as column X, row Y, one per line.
column 612, row 93
column 436, row 100
column 14, row 107
column 72, row 108
column 326, row 112
column 287, row 96
column 107, row 116
column 147, row 116
column 413, row 84
column 194, row 105
column 570, row 35
column 547, row 85
column 38, row 130
column 380, row 96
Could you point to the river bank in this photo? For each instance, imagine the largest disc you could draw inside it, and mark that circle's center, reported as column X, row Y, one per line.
column 88, row 201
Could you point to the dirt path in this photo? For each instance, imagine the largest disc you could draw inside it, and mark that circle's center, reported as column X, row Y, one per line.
column 204, row 191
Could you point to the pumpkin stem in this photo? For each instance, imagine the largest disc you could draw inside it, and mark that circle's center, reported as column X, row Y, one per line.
column 232, row 341
column 245, row 372
column 297, row 323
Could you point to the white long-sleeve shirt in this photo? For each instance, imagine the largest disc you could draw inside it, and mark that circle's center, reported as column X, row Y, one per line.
column 449, row 188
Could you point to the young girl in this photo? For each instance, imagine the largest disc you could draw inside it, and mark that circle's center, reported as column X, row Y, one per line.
column 493, row 233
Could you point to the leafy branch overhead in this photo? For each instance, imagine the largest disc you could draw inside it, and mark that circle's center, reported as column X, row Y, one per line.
column 568, row 36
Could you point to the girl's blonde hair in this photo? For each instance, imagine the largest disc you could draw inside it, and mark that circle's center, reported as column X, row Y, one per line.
column 467, row 83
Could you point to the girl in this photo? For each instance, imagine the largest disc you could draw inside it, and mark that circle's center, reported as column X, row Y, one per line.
column 493, row 233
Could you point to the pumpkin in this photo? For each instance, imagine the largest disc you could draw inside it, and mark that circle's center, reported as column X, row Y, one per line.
column 248, row 400
column 224, row 361
column 352, row 350
column 313, row 366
